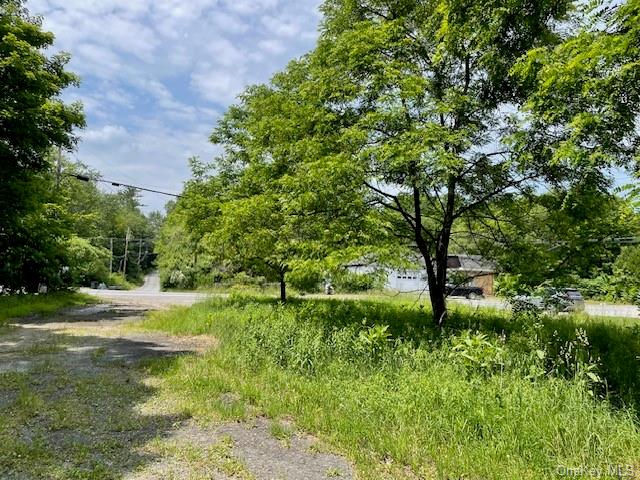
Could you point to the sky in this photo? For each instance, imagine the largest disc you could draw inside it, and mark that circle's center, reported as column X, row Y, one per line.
column 157, row 74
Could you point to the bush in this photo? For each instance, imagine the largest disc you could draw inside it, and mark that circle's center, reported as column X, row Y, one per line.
column 350, row 282
column 308, row 280
column 116, row 280
column 508, row 285
column 86, row 262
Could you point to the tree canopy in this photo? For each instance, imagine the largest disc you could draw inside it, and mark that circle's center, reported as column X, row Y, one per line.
column 33, row 121
column 421, row 125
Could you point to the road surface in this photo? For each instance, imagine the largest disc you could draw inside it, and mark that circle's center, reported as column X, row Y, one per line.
column 591, row 308
column 150, row 295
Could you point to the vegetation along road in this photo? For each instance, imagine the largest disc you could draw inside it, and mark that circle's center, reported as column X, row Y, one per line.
column 151, row 295
column 482, row 148
column 148, row 294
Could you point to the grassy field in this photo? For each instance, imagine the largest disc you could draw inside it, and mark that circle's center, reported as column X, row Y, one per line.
column 488, row 397
column 14, row 306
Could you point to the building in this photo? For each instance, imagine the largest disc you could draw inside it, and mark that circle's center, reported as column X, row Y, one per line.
column 477, row 271
column 471, row 270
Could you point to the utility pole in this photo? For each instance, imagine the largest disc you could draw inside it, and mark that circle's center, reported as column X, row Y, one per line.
column 126, row 253
column 59, row 168
column 111, row 258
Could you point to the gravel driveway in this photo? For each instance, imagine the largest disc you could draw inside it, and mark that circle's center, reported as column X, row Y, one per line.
column 76, row 401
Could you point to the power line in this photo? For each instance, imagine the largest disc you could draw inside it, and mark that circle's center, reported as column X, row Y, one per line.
column 85, row 178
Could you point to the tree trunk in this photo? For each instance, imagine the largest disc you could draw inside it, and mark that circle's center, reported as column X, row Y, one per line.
column 437, row 281
column 438, row 288
column 436, row 264
column 283, row 288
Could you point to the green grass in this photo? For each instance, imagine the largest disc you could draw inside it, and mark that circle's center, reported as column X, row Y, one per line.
column 117, row 280
column 15, row 306
column 61, row 423
column 487, row 397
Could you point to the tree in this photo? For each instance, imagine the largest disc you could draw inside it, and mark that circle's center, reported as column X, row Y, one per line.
column 585, row 94
column 32, row 245
column 433, row 109
column 558, row 236
column 85, row 262
column 33, row 121
column 105, row 218
column 279, row 212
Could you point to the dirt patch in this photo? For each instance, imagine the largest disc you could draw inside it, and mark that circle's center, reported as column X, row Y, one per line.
column 269, row 457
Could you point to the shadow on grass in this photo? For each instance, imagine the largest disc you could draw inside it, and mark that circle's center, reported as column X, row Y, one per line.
column 615, row 347
column 73, row 406
column 88, row 314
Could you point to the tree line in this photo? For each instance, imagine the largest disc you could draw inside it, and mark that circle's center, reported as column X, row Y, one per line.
column 427, row 126
column 423, row 127
column 55, row 230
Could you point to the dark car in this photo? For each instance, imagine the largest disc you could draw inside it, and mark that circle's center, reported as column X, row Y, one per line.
column 463, row 291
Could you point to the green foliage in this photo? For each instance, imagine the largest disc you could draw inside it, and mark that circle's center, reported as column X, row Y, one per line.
column 559, row 236
column 586, row 98
column 374, row 341
column 93, row 218
column 33, row 245
column 86, row 262
column 423, row 89
column 486, row 397
column 345, row 281
column 34, row 120
column 15, row 306
column 119, row 282
column 307, row 280
column 417, row 123
column 44, row 213
column 621, row 282
column 627, row 265
column 476, row 352
column 508, row 285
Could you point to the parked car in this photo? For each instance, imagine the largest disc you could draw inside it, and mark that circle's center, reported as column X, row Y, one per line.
column 466, row 292
column 576, row 300
column 552, row 300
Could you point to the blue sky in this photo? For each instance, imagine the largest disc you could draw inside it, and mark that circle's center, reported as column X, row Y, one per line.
column 157, row 74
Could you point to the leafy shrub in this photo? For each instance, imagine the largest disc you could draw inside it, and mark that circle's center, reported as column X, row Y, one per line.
column 350, row 282
column 509, row 285
column 477, row 352
column 243, row 278
column 606, row 287
column 373, row 341
column 309, row 280
column 86, row 262
column 116, row 280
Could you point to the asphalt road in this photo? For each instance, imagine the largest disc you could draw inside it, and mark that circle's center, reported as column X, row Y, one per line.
column 591, row 308
column 149, row 295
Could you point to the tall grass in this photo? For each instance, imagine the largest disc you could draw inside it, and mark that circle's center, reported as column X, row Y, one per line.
column 15, row 306
column 487, row 397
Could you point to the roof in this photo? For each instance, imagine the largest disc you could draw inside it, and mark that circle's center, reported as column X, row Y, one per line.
column 458, row 262
column 470, row 263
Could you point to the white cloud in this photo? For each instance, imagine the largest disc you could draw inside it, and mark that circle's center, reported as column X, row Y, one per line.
column 283, row 26
column 158, row 73
column 272, row 46
column 105, row 134
column 217, row 85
